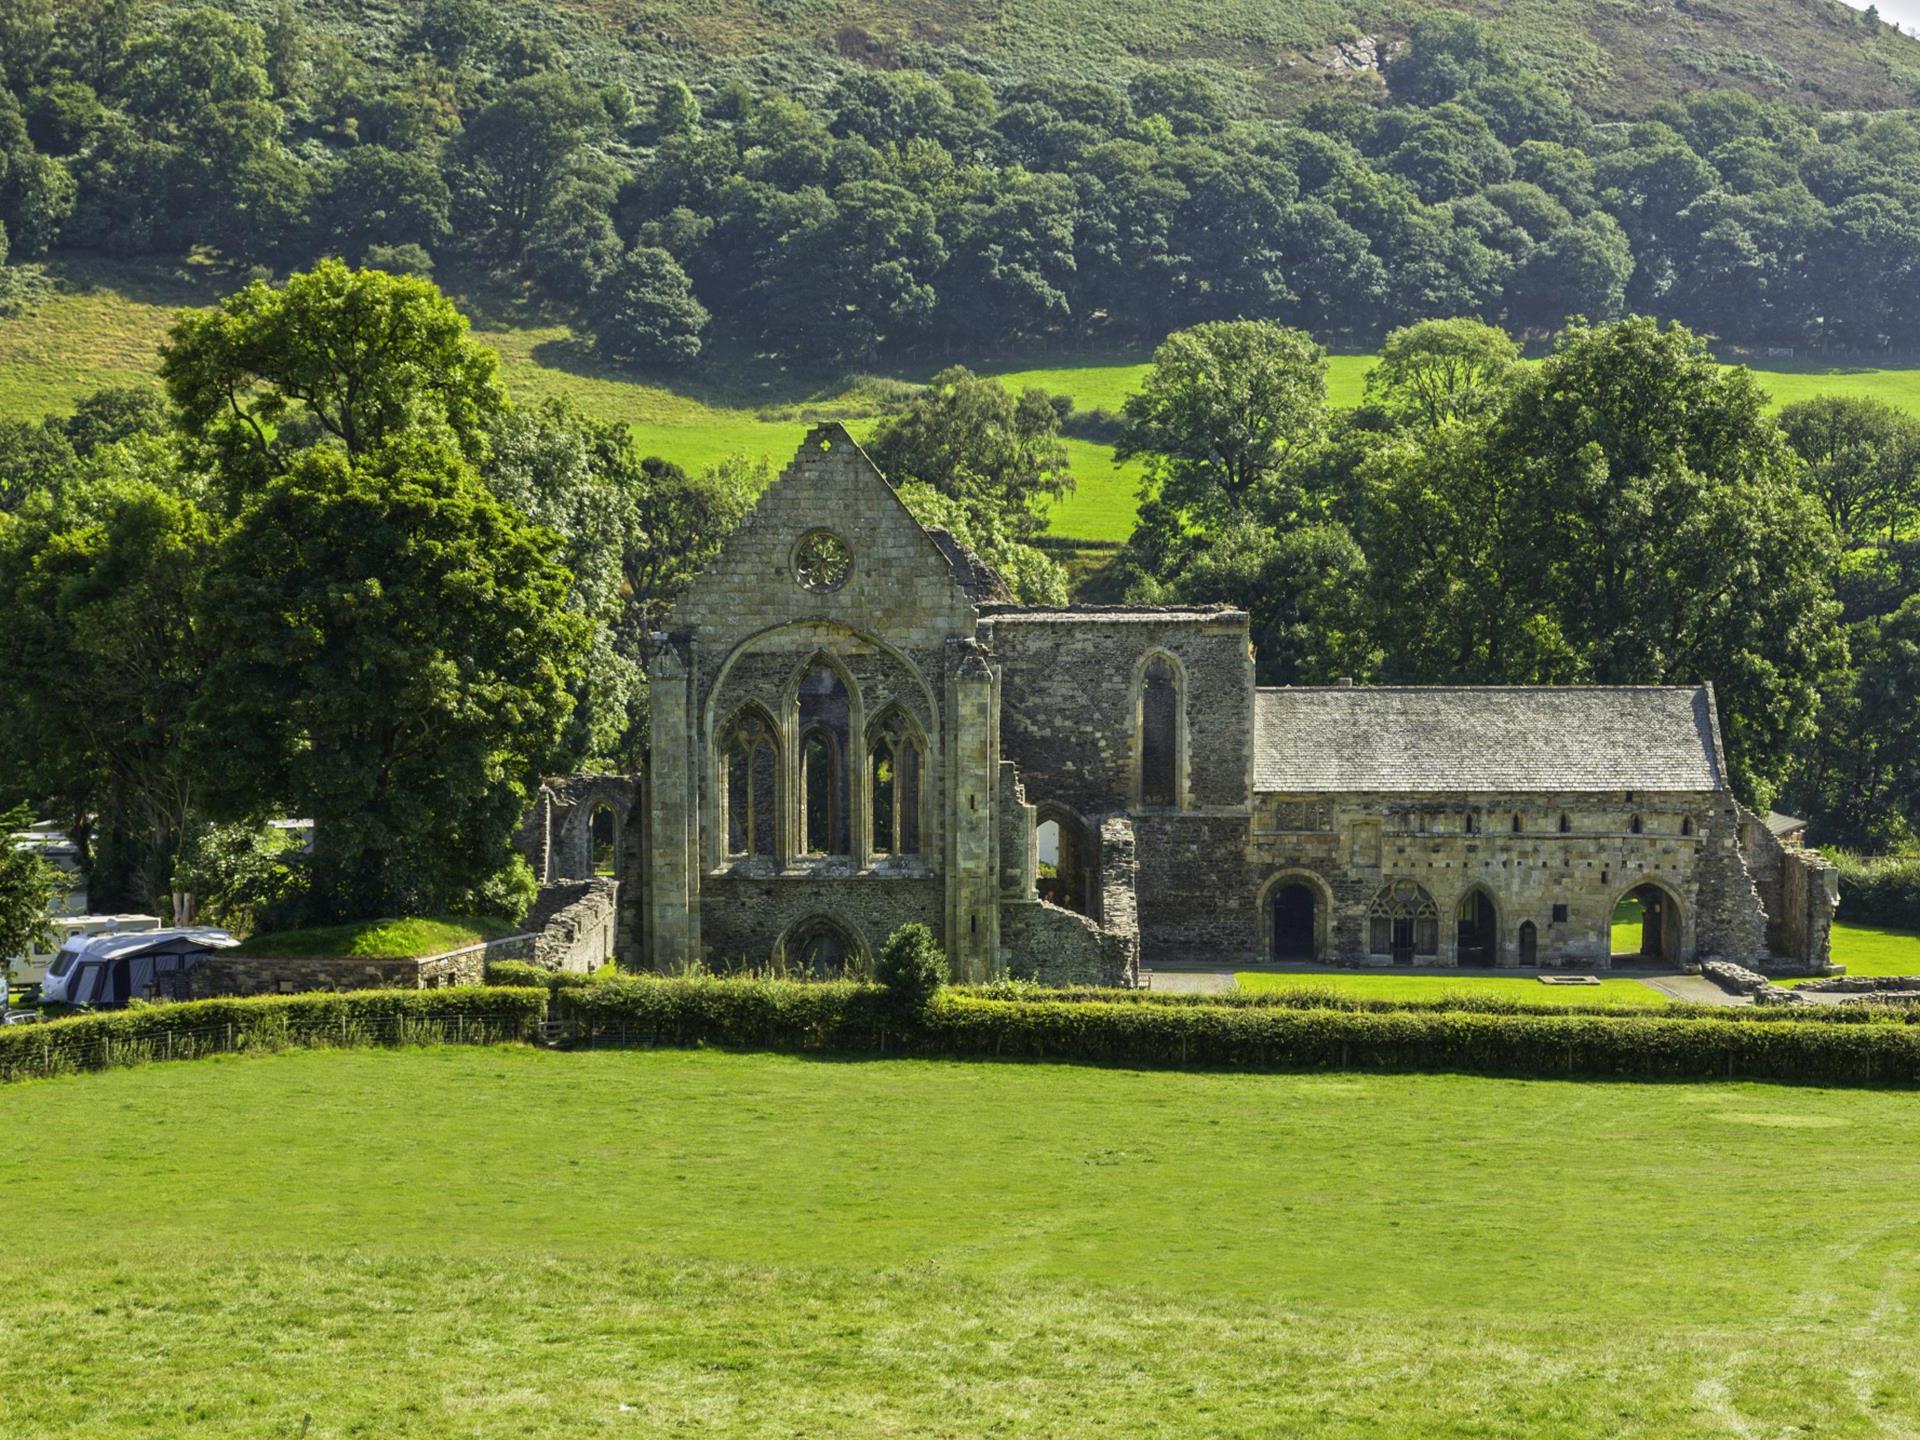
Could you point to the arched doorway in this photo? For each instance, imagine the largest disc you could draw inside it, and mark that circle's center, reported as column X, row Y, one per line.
column 1476, row 929
column 1646, row 927
column 1295, row 922
column 822, row 947
column 1529, row 943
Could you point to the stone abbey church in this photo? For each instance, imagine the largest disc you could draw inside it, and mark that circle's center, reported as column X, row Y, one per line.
column 853, row 729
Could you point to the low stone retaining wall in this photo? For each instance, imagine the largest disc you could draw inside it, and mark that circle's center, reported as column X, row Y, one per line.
column 287, row 975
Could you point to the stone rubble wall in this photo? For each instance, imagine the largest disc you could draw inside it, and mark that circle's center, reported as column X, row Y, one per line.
column 579, row 938
column 1799, row 889
column 1059, row 947
column 1118, row 901
column 1865, row 984
column 1742, row 981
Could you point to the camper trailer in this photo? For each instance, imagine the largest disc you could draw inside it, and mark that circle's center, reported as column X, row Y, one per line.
column 102, row 971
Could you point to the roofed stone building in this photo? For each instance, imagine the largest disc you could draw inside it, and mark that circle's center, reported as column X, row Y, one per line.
column 853, row 728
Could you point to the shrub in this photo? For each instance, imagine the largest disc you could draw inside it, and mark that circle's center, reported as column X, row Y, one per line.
column 912, row 967
column 1883, row 888
column 464, row 1014
column 518, row 972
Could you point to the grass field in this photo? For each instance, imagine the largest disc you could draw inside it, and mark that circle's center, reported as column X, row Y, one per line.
column 1874, row 950
column 103, row 329
column 536, row 1244
column 382, row 939
column 1525, row 988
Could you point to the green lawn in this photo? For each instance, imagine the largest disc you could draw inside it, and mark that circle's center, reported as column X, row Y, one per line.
column 1873, row 950
column 382, row 939
column 106, row 324
column 515, row 1243
column 1362, row 985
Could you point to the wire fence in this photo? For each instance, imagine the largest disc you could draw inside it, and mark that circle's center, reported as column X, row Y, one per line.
column 34, row 1051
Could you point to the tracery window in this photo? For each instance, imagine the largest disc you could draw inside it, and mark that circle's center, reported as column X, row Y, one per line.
column 825, row 708
column 1403, row 922
column 894, row 767
column 751, row 757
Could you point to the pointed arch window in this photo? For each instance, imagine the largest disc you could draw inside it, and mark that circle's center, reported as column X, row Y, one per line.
column 1403, row 922
column 752, row 767
column 1159, row 734
column 894, row 771
column 825, row 711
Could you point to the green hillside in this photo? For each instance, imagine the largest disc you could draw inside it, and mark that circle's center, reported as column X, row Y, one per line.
column 1619, row 57
column 104, row 323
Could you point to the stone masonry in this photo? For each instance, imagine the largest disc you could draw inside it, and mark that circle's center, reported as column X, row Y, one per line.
column 853, row 729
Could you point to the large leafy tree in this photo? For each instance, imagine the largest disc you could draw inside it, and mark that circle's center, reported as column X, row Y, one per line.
column 28, row 886
column 1221, row 410
column 1862, row 461
column 100, row 662
column 359, row 356
column 1440, row 370
column 392, row 655
column 516, row 154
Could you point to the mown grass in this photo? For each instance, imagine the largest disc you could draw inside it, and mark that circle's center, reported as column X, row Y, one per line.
column 533, row 1244
column 106, row 325
column 1527, row 988
column 1874, row 950
column 403, row 939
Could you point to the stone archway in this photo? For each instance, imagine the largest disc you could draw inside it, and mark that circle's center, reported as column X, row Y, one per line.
column 824, row 947
column 1476, row 929
column 1647, row 926
column 1295, row 910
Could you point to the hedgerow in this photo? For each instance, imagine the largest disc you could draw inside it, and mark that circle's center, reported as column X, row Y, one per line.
column 1882, row 888
column 465, row 1014
column 795, row 1016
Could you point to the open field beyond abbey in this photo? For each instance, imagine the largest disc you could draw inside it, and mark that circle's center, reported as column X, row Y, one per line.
column 106, row 322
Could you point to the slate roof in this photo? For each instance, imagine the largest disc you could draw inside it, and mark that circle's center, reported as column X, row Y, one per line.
column 1415, row 739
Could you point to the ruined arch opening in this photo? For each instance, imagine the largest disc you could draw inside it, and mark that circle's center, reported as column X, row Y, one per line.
column 1403, row 923
column 822, row 947
column 1063, row 851
column 1646, row 926
column 603, row 838
column 1476, row 929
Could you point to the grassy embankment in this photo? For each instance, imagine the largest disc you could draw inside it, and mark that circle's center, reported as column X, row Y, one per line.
column 106, row 324
column 405, row 939
column 535, row 1244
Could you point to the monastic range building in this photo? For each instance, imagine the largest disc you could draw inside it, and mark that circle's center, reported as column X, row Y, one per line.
column 853, row 729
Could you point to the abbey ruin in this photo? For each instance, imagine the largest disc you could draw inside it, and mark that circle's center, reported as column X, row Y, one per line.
column 853, row 729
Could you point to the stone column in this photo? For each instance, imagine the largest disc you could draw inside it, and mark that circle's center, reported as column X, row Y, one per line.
column 673, row 861
column 972, row 764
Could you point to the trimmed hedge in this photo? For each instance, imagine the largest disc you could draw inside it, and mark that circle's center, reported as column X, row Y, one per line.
column 463, row 1014
column 1883, row 888
column 1459, row 1002
column 796, row 1016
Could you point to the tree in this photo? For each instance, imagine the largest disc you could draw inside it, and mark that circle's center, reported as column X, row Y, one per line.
column 1440, row 370
column 29, row 884
column 514, row 156
column 100, row 661
column 392, row 655
column 1862, row 461
column 382, row 197
column 364, row 356
column 1220, row 410
column 965, row 432
column 679, row 524
column 1664, row 532
column 234, row 875
column 644, row 310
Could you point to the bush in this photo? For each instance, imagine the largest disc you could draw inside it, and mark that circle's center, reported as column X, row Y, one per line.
column 912, row 968
column 845, row 1017
column 465, row 1014
column 1882, row 888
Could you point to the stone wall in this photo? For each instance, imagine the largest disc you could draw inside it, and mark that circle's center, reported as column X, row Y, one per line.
column 1070, row 693
column 1799, row 889
column 745, row 918
column 230, row 974
column 579, row 938
column 1058, row 947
